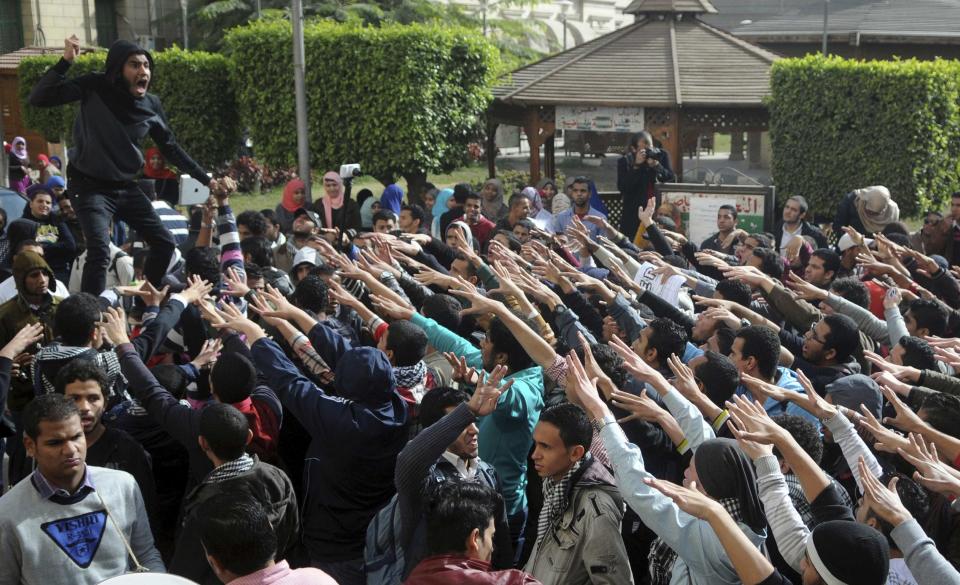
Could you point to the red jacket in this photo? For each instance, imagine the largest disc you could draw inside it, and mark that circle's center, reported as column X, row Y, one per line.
column 460, row 570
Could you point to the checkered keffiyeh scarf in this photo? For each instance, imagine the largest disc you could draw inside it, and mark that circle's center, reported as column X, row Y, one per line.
column 662, row 558
column 230, row 469
column 555, row 500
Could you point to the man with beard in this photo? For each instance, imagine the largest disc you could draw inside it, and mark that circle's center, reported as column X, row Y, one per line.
column 116, row 114
column 580, row 196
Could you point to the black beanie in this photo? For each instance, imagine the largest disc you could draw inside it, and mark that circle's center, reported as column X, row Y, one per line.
column 849, row 553
column 233, row 378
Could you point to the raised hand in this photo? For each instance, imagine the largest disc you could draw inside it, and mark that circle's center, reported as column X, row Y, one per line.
column 883, row 501
column 931, row 473
column 71, row 48
column 811, row 401
column 753, row 423
column 684, row 380
column 689, row 499
column 197, row 289
column 634, row 364
column 583, row 388
column 461, row 371
column 905, row 418
column 24, row 338
column 115, row 326
column 639, row 405
column 902, row 373
column 208, row 311
column 890, row 381
column 885, row 439
column 806, row 291
column 388, row 308
column 479, row 304
column 237, row 285
column 485, row 397
column 234, row 319
column 208, row 354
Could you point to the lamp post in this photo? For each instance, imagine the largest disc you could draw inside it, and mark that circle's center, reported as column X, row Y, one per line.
column 299, row 88
column 564, row 8
column 483, row 11
column 826, row 18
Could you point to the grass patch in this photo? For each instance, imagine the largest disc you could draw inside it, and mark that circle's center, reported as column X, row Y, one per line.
column 270, row 199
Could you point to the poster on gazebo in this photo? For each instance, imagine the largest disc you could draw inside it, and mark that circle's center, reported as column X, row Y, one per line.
column 599, row 118
column 698, row 209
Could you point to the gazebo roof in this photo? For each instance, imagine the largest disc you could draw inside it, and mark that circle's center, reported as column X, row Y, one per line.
column 648, row 6
column 663, row 60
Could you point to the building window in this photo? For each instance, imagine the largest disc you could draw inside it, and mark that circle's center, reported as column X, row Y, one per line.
column 11, row 26
column 106, row 15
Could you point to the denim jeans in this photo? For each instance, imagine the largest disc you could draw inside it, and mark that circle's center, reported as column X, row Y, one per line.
column 97, row 205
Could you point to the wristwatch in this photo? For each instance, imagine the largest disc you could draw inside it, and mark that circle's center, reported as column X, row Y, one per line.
column 599, row 423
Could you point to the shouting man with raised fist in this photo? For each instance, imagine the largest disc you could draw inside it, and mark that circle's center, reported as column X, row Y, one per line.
column 116, row 114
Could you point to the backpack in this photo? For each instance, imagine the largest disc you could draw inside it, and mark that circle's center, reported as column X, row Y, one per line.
column 383, row 555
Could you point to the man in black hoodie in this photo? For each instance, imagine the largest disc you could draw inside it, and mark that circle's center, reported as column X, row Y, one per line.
column 116, row 114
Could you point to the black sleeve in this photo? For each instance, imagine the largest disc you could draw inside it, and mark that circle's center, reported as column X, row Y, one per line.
column 153, row 334
column 829, row 505
column 791, row 341
column 628, row 176
column 665, row 172
column 53, row 89
column 444, row 254
column 660, row 243
column 5, row 365
column 588, row 315
column 163, row 135
column 662, row 308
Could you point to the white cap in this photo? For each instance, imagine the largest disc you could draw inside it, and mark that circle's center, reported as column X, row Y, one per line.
column 846, row 242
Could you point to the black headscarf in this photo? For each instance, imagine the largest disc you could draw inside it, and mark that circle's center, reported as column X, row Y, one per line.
column 725, row 472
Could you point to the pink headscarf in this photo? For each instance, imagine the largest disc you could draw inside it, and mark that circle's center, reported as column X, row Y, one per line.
column 288, row 201
column 335, row 201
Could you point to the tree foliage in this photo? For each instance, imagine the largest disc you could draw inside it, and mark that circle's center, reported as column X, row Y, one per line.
column 400, row 100
column 837, row 125
column 193, row 86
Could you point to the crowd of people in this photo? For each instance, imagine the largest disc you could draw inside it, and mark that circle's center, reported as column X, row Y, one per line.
column 473, row 388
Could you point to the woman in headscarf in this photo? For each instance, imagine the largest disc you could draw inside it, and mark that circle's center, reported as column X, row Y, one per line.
column 294, row 198
column 366, row 200
column 166, row 183
column 541, row 218
column 464, row 228
column 338, row 210
column 491, row 195
column 866, row 210
column 687, row 550
column 19, row 165
column 441, row 205
column 392, row 199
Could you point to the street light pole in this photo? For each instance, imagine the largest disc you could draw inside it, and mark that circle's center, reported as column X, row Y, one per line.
column 826, row 18
column 300, row 91
column 483, row 10
column 564, row 7
column 183, row 19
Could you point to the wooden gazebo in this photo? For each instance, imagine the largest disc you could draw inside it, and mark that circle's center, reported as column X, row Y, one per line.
column 689, row 78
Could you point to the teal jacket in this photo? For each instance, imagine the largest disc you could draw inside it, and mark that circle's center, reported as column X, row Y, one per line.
column 505, row 435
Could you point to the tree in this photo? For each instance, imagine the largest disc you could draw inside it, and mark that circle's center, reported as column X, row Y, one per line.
column 401, row 100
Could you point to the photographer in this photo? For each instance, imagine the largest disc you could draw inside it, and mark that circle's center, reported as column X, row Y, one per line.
column 638, row 171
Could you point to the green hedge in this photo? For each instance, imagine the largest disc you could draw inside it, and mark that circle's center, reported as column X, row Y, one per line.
column 837, row 125
column 400, row 100
column 195, row 90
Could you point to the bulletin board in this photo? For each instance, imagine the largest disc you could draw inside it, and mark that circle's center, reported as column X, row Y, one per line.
column 698, row 205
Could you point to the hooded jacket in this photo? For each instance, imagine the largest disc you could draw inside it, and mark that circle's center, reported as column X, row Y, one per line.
column 356, row 436
column 17, row 313
column 112, row 122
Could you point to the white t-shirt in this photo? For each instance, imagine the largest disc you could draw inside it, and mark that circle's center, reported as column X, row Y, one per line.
column 788, row 236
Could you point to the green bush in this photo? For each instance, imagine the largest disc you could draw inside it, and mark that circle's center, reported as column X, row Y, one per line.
column 400, row 100
column 193, row 86
column 837, row 125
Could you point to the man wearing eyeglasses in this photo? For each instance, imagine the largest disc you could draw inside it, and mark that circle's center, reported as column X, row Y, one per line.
column 826, row 351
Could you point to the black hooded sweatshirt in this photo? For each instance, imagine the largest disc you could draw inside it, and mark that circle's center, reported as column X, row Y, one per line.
column 112, row 122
